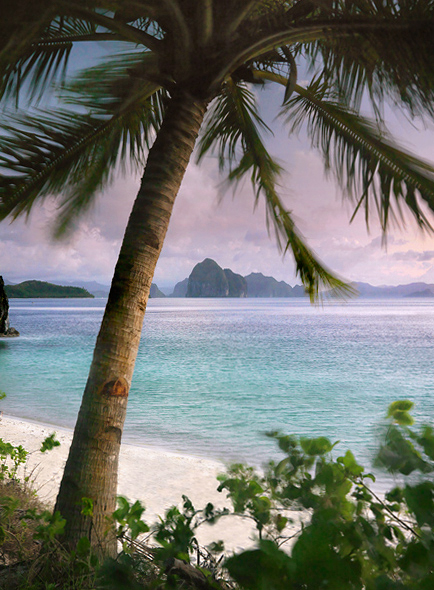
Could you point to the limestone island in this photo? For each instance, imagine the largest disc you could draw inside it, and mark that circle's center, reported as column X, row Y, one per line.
column 5, row 330
column 41, row 289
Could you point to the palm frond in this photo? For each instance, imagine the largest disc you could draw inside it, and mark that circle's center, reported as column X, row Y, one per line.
column 364, row 159
column 205, row 21
column 388, row 43
column 43, row 60
column 114, row 84
column 70, row 154
column 394, row 61
column 232, row 128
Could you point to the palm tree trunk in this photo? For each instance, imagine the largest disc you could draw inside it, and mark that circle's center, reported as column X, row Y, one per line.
column 92, row 466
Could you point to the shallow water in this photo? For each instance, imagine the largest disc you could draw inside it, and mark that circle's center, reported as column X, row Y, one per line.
column 213, row 375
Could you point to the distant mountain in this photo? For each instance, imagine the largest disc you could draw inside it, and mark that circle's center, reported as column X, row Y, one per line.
column 37, row 289
column 208, row 279
column 237, row 284
column 180, row 289
column 410, row 290
column 155, row 292
column 423, row 293
column 230, row 284
column 259, row 285
column 95, row 288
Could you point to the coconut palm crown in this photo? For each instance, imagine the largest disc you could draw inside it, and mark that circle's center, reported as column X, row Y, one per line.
column 180, row 69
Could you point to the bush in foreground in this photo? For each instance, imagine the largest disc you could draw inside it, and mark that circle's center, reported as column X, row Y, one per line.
column 319, row 526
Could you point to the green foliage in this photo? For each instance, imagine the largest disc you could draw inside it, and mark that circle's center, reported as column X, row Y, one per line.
column 319, row 524
column 405, row 450
column 350, row 538
column 87, row 506
column 129, row 519
column 11, row 457
column 398, row 411
column 36, row 289
column 50, row 525
column 2, row 395
column 49, row 443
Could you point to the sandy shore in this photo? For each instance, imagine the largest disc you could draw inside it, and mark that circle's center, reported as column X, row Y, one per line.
column 155, row 477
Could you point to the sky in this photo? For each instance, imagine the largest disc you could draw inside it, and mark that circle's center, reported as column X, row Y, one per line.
column 208, row 223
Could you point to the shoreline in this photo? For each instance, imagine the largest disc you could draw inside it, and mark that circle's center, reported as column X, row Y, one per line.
column 129, row 439
column 156, row 477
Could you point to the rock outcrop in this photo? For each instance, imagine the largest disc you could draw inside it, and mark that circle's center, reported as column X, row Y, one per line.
column 259, row 285
column 208, row 279
column 180, row 289
column 5, row 329
column 237, row 284
column 155, row 292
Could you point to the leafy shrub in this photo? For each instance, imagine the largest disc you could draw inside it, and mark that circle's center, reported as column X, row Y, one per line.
column 319, row 523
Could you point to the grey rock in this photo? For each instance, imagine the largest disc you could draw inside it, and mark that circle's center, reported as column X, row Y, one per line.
column 259, row 285
column 5, row 329
column 237, row 284
column 180, row 289
column 207, row 279
column 155, row 292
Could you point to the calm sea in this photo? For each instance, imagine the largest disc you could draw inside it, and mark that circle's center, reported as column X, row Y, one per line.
column 213, row 375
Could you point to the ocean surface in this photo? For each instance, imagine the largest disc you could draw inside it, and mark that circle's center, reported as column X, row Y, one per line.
column 213, row 375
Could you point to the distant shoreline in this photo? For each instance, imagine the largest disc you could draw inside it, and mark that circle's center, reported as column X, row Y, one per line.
column 43, row 290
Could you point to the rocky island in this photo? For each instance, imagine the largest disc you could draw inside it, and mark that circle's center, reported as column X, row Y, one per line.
column 5, row 329
column 208, row 279
column 42, row 289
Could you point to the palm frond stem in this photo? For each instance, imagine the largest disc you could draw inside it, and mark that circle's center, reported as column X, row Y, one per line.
column 240, row 18
column 205, row 22
column 126, row 31
column 74, row 38
column 320, row 29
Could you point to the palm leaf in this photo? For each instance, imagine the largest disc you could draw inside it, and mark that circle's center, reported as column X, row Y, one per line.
column 43, row 60
column 394, row 61
column 394, row 37
column 113, row 85
column 364, row 159
column 232, row 128
column 70, row 154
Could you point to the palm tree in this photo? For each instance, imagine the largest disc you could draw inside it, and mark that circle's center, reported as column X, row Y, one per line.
column 187, row 67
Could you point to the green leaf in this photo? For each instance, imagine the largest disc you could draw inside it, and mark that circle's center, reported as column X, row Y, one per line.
column 83, row 546
column 49, row 443
column 426, row 440
column 316, row 446
column 281, row 522
column 87, row 507
column 405, row 405
column 398, row 411
column 124, row 506
column 420, row 500
column 266, row 568
column 350, row 463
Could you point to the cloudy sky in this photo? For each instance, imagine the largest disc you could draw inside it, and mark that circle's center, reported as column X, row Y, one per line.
column 229, row 230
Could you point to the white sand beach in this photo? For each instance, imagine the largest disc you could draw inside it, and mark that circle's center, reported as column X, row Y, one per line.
column 155, row 477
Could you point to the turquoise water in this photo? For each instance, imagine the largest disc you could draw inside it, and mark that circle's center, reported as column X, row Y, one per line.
column 213, row 375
